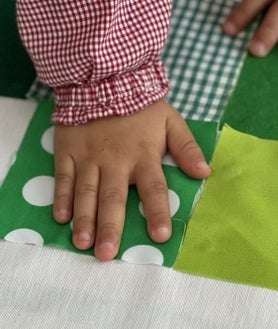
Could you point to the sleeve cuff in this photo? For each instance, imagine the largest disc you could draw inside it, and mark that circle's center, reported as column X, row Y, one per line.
column 115, row 96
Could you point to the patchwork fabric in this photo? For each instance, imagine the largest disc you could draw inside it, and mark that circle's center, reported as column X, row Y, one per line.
column 202, row 63
column 233, row 232
column 253, row 107
column 30, row 184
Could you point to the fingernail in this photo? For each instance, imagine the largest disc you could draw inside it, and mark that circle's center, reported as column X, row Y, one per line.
column 84, row 236
column 230, row 27
column 107, row 246
column 202, row 165
column 161, row 233
column 258, row 48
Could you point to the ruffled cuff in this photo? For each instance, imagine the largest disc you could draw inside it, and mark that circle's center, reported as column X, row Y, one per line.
column 115, row 96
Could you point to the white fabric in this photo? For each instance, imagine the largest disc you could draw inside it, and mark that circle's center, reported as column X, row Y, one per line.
column 51, row 288
column 42, row 287
column 15, row 115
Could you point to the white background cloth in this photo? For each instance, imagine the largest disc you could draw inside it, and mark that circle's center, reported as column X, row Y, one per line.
column 52, row 288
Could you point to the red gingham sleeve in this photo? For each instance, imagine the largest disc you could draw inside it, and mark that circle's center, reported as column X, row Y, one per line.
column 102, row 57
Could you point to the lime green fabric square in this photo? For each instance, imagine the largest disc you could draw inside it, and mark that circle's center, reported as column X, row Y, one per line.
column 233, row 233
column 26, row 198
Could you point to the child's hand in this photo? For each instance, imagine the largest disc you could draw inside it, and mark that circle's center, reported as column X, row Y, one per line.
column 96, row 162
column 267, row 34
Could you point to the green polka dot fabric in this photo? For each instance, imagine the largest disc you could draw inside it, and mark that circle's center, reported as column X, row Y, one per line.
column 26, row 197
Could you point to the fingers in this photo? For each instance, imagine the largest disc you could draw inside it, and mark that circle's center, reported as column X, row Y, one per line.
column 99, row 207
column 113, row 193
column 184, row 148
column 152, row 188
column 267, row 34
column 243, row 14
column 85, row 206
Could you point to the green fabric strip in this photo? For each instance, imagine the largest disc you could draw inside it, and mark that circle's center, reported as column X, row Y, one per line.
column 26, row 197
column 233, row 233
column 253, row 107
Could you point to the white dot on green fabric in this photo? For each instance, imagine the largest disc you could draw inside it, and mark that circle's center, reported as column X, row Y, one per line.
column 25, row 236
column 39, row 191
column 47, row 140
column 174, row 202
column 168, row 160
column 143, row 254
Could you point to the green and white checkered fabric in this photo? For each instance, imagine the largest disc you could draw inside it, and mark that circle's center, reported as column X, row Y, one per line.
column 39, row 91
column 203, row 64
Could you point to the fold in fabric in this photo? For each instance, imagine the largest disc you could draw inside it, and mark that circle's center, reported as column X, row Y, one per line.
column 233, row 233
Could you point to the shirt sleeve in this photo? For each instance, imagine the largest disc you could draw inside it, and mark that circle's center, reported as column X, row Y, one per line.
column 101, row 57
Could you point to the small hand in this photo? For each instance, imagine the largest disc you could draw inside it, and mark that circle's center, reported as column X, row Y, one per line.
column 95, row 163
column 266, row 35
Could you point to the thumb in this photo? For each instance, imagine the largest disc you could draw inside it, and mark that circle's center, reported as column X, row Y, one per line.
column 184, row 148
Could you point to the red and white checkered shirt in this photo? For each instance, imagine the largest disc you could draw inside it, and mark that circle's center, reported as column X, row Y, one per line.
column 101, row 56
